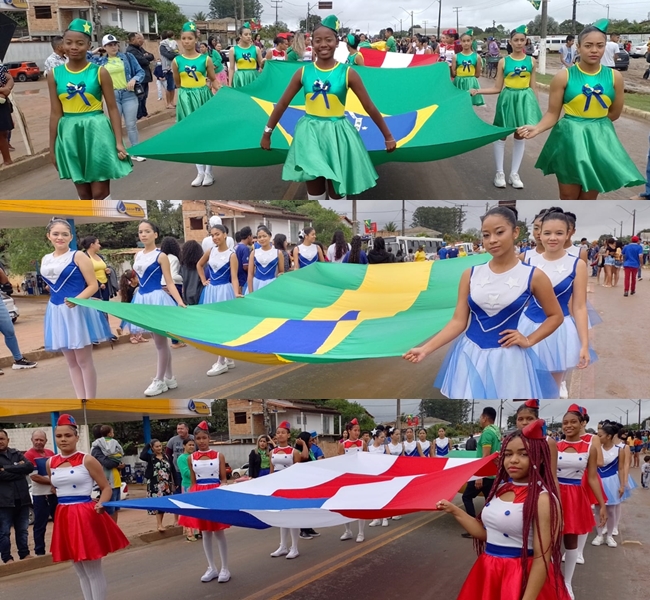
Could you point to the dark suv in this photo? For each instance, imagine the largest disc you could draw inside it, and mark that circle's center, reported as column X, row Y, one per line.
column 621, row 60
column 22, row 71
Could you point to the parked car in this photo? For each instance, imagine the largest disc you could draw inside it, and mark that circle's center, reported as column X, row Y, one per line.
column 10, row 305
column 621, row 61
column 228, row 471
column 503, row 45
column 241, row 472
column 124, row 492
column 639, row 51
column 22, row 71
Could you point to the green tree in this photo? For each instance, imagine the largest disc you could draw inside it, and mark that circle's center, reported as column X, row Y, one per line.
column 120, row 34
column 324, row 220
column 270, row 32
column 445, row 219
column 566, row 27
column 170, row 16
column 222, row 9
column 18, row 17
column 349, row 410
column 391, row 226
column 199, row 16
column 314, row 21
column 535, row 26
column 471, row 235
column 24, row 248
column 524, row 233
column 168, row 217
column 455, row 411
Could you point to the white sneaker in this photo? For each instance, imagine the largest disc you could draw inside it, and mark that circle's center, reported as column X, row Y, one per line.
column 156, row 388
column 217, row 369
column 396, row 518
column 384, row 522
column 599, row 540
column 138, row 158
column 209, row 575
column 570, row 590
column 293, row 553
column 581, row 560
column 515, row 181
column 500, row 179
column 198, row 180
column 208, row 180
column 615, row 532
column 230, row 363
column 347, row 536
column 360, row 538
column 564, row 392
column 611, row 542
column 281, row 551
column 374, row 523
column 171, row 383
column 224, row 576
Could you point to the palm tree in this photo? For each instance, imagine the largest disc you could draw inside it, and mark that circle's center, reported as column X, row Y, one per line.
column 200, row 16
column 391, row 227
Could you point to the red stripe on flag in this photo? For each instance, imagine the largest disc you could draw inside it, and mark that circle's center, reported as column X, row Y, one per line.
column 375, row 58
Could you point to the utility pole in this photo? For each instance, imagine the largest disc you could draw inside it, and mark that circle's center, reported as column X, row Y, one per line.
column 638, row 402
column 487, row 206
column 403, row 217
column 243, row 16
column 633, row 214
column 457, row 9
column 439, row 19
column 472, row 419
column 573, row 17
column 398, row 419
column 97, row 21
column 627, row 414
column 425, row 27
column 501, row 403
column 236, row 22
column 541, row 67
column 355, row 225
column 208, row 214
column 276, row 5
column 265, row 418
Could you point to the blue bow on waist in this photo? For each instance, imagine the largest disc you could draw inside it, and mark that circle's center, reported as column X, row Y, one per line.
column 73, row 90
column 466, row 65
column 247, row 56
column 518, row 71
column 594, row 92
column 321, row 87
column 191, row 71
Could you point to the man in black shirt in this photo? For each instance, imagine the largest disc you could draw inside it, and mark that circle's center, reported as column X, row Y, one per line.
column 470, row 444
column 144, row 58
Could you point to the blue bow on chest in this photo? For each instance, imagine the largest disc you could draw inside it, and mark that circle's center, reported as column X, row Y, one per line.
column 74, row 89
column 191, row 71
column 247, row 56
column 466, row 64
column 321, row 87
column 593, row 92
column 520, row 71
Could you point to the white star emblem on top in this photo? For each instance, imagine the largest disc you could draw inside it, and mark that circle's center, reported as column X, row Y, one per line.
column 513, row 283
column 484, row 280
column 560, row 269
column 492, row 299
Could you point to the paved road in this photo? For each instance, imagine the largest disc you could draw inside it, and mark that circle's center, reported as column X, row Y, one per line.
column 468, row 177
column 422, row 553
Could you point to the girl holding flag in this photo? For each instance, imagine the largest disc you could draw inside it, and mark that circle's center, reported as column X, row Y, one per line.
column 244, row 60
column 85, row 145
column 424, row 444
column 352, row 445
column 442, row 444
column 465, row 66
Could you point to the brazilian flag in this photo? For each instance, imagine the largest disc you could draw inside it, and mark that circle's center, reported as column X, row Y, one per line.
column 326, row 312
column 431, row 121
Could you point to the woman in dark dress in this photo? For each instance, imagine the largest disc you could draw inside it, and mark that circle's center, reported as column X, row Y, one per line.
column 159, row 476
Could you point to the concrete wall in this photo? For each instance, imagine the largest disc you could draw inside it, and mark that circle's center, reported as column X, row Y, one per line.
column 20, row 438
column 30, row 51
column 236, row 455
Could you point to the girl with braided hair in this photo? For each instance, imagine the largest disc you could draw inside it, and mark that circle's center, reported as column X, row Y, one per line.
column 518, row 535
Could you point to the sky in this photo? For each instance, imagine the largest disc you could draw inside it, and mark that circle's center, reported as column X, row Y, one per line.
column 481, row 13
column 598, row 410
column 595, row 217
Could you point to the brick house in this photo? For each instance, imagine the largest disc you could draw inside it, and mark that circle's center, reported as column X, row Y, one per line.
column 236, row 215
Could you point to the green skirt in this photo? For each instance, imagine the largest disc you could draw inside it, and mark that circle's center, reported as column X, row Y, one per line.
column 85, row 149
column 516, row 108
column 470, row 83
column 244, row 77
column 333, row 149
column 587, row 152
column 189, row 99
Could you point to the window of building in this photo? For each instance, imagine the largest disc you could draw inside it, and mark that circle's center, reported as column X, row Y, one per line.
column 240, row 418
column 43, row 12
column 295, row 229
column 141, row 21
column 196, row 223
column 326, row 424
column 83, row 14
column 114, row 17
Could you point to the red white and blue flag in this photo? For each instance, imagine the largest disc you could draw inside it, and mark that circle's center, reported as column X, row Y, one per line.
column 396, row 60
column 328, row 492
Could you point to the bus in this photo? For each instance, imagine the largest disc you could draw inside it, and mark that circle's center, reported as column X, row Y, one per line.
column 406, row 243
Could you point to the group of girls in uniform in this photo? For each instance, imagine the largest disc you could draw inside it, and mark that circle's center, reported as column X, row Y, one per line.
column 519, row 325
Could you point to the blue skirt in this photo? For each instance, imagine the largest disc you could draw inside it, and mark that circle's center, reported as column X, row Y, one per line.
column 154, row 298
column 611, row 485
column 74, row 328
column 212, row 294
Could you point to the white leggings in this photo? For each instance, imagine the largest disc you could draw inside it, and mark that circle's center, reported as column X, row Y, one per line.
column 362, row 526
column 220, row 536
column 82, row 372
column 284, row 537
column 613, row 518
column 91, row 578
column 164, row 367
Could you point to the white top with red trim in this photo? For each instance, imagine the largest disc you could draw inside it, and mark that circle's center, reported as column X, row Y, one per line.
column 350, row 447
column 204, row 468
column 572, row 465
column 73, row 479
column 504, row 521
column 282, row 458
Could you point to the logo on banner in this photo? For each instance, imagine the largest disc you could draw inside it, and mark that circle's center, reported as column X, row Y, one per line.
column 200, row 408
column 13, row 4
column 130, row 209
column 370, row 227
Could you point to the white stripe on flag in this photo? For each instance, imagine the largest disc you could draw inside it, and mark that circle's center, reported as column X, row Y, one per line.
column 395, row 60
column 368, row 496
column 299, row 518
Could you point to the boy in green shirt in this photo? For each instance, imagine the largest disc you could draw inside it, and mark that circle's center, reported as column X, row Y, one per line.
column 391, row 46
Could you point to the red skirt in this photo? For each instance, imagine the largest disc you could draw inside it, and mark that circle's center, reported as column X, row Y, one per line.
column 576, row 509
column 202, row 524
column 496, row 578
column 80, row 533
column 590, row 493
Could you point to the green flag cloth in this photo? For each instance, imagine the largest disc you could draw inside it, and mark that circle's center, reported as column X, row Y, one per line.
column 536, row 3
column 326, row 312
column 435, row 123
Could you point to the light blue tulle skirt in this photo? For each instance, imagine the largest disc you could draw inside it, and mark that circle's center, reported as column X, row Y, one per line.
column 610, row 485
column 258, row 284
column 74, row 328
column 593, row 316
column 155, row 298
column 471, row 372
column 217, row 293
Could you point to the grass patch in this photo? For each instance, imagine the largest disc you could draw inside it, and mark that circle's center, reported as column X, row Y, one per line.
column 544, row 78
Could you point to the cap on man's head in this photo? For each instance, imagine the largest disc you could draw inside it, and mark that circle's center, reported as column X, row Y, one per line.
column 313, row 434
column 635, row 238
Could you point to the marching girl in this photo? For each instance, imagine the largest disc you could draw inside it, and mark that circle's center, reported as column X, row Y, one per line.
column 442, row 444
column 244, row 60
column 517, row 104
column 82, row 532
column 528, row 413
column 266, row 262
column 354, row 56
column 411, row 446
column 352, row 445
column 423, row 443
column 465, row 66
column 327, row 151
column 592, row 98
column 568, row 346
column 193, row 74
column 612, row 475
column 279, row 50
column 575, row 457
column 69, row 328
column 537, row 230
column 518, row 532
column 282, row 457
column 222, row 284
column 208, row 470
column 85, row 145
column 378, row 446
column 491, row 358
column 395, row 446
column 422, row 45
column 151, row 265
column 308, row 252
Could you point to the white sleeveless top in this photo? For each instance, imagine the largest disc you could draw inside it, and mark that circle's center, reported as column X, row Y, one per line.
column 395, row 449
column 52, row 266
column 381, row 449
column 282, row 458
column 495, row 291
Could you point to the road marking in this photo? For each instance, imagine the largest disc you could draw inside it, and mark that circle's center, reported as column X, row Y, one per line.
column 234, row 387
column 291, row 584
column 292, row 191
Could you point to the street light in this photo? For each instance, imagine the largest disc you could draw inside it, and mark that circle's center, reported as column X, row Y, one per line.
column 618, row 223
column 633, row 213
column 409, row 12
column 627, row 414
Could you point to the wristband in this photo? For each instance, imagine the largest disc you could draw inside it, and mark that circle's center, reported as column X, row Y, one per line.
column 268, row 129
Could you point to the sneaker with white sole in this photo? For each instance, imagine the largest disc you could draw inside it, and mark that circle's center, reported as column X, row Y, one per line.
column 23, row 363
column 138, row 158
column 156, row 388
column 615, row 531
column 375, row 523
column 209, row 575
column 396, row 518
column 293, row 553
column 224, row 576
column 564, row 392
column 384, row 522
column 198, row 180
column 611, row 542
column 281, row 551
column 231, row 363
column 347, row 536
column 208, row 180
column 500, row 179
column 305, row 536
column 217, row 369
column 515, row 181
column 171, row 383
column 599, row 540
column 360, row 538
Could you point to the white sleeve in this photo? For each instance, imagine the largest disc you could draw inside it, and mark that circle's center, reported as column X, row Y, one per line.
column 331, row 253
column 207, row 243
column 230, row 242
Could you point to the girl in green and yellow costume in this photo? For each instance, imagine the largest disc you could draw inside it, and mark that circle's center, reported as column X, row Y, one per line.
column 327, row 151
column 517, row 105
column 193, row 75
column 85, row 145
column 354, row 57
column 465, row 66
column 245, row 60
column 583, row 150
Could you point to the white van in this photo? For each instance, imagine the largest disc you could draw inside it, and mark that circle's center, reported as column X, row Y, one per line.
column 554, row 42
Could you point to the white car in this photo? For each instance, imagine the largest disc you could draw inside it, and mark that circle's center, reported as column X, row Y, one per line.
column 11, row 307
column 639, row 51
column 124, row 492
column 241, row 472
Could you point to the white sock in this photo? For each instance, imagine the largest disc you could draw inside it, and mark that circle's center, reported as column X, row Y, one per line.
column 207, row 548
column 223, row 548
column 582, row 540
column 517, row 154
column 295, row 534
column 499, row 153
column 348, row 528
column 108, row 197
column 613, row 517
column 322, row 196
column 362, row 526
column 208, row 170
column 83, row 580
column 284, row 537
column 200, row 169
column 96, row 577
column 570, row 561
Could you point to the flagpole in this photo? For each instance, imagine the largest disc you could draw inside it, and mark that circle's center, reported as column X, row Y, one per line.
column 541, row 67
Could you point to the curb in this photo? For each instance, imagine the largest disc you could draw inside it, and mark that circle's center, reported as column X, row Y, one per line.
column 39, row 562
column 627, row 110
column 41, row 159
